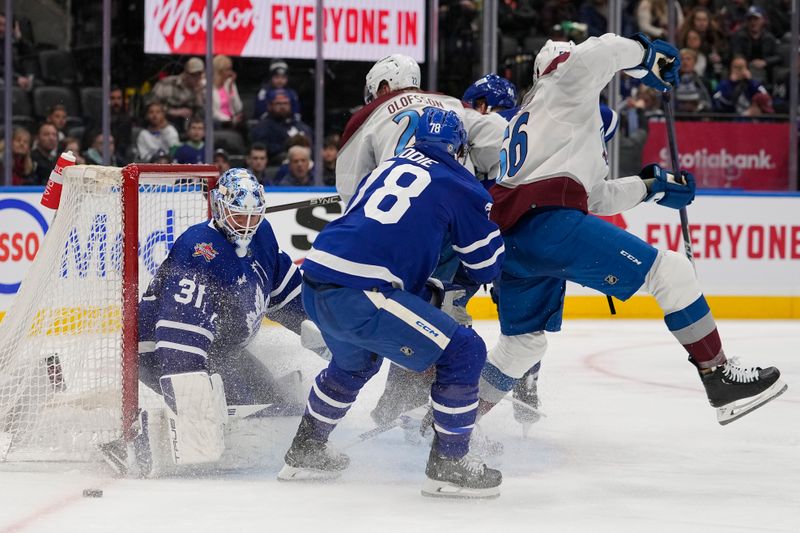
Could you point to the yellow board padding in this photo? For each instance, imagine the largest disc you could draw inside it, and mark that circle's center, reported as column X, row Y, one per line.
column 744, row 307
column 104, row 320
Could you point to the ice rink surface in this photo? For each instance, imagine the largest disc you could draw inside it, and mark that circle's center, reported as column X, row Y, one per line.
column 629, row 444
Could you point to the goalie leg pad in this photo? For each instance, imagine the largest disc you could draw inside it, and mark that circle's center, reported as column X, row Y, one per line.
column 508, row 361
column 195, row 412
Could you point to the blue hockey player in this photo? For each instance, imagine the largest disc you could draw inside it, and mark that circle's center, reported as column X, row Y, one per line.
column 201, row 310
column 368, row 296
column 553, row 174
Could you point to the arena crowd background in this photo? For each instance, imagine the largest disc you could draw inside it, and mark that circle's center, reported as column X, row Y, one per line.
column 733, row 105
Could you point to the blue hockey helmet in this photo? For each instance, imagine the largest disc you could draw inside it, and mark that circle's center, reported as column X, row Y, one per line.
column 442, row 129
column 237, row 206
column 497, row 91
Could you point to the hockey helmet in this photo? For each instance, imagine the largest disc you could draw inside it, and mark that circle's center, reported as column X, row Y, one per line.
column 550, row 51
column 497, row 91
column 398, row 70
column 442, row 129
column 237, row 206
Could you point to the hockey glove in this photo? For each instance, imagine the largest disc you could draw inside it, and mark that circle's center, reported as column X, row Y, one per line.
column 449, row 298
column 664, row 189
column 660, row 67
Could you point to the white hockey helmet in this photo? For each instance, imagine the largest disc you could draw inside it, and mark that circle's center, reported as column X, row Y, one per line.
column 550, row 51
column 398, row 70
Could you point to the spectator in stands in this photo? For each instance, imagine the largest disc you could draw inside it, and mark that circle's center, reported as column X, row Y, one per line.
column 121, row 124
column 44, row 155
column 57, row 116
column 283, row 169
column 779, row 17
column 693, row 94
column 594, row 13
column 193, row 150
column 278, row 79
column 222, row 160
column 648, row 101
column 299, row 168
column 182, row 94
column 740, row 93
column 652, row 16
column 94, row 154
column 516, row 18
column 159, row 135
column 257, row 164
column 22, row 166
column 160, row 158
column 706, row 39
column 227, row 103
column 554, row 12
column 279, row 124
column 330, row 151
column 732, row 15
column 756, row 44
column 19, row 48
column 72, row 144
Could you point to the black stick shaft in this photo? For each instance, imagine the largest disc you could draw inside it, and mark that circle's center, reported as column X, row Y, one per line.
column 313, row 202
column 676, row 169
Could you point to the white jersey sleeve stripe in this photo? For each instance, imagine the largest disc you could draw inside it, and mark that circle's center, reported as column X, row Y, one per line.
column 182, row 348
column 185, row 327
column 477, row 244
column 354, row 269
column 488, row 262
column 409, row 317
column 289, row 297
column 286, row 279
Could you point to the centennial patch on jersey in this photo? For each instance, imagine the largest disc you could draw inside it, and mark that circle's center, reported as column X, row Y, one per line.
column 205, row 250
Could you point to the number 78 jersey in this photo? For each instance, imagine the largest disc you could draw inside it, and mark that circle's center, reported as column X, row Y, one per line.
column 392, row 231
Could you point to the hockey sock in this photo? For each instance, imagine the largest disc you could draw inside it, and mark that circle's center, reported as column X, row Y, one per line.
column 507, row 362
column 331, row 396
column 454, row 394
column 696, row 329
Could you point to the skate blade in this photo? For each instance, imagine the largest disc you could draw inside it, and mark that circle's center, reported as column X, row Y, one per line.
column 734, row 411
column 441, row 489
column 292, row 473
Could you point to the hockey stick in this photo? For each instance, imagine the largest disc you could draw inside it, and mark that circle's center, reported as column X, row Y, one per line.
column 673, row 152
column 413, row 414
column 313, row 202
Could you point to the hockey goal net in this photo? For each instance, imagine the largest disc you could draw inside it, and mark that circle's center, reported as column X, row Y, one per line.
column 68, row 344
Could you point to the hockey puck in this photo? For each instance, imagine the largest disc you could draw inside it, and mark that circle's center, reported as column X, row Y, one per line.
column 92, row 493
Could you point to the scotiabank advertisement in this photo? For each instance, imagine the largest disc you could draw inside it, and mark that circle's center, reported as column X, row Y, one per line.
column 353, row 29
column 744, row 245
column 722, row 155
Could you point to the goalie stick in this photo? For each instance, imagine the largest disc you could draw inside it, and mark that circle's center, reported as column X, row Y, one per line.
column 413, row 414
column 313, row 202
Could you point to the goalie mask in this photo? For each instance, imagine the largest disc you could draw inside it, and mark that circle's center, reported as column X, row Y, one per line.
column 398, row 70
column 237, row 206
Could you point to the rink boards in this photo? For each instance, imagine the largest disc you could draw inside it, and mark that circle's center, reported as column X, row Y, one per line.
column 746, row 248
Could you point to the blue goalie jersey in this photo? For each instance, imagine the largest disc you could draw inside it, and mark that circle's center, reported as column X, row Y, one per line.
column 205, row 301
column 392, row 231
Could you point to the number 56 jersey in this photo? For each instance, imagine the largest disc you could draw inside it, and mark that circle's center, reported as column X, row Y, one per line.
column 392, row 231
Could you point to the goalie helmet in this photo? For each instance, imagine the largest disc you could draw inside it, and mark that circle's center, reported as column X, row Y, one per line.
column 497, row 91
column 441, row 129
column 550, row 51
column 398, row 70
column 237, row 206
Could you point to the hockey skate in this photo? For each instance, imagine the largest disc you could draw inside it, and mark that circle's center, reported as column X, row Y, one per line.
column 736, row 390
column 526, row 392
column 467, row 477
column 311, row 460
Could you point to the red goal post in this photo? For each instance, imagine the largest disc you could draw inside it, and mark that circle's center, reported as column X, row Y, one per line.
column 69, row 342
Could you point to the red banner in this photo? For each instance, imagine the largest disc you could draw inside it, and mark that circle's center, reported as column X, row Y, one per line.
column 736, row 155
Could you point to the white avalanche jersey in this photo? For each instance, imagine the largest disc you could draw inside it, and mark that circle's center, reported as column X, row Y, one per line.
column 385, row 127
column 559, row 132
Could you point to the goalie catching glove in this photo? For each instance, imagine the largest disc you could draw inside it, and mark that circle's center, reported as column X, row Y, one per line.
column 664, row 189
column 660, row 67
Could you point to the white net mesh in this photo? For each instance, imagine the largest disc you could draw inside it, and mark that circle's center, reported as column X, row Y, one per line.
column 60, row 343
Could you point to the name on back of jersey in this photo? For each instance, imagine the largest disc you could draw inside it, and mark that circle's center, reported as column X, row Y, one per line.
column 411, row 99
